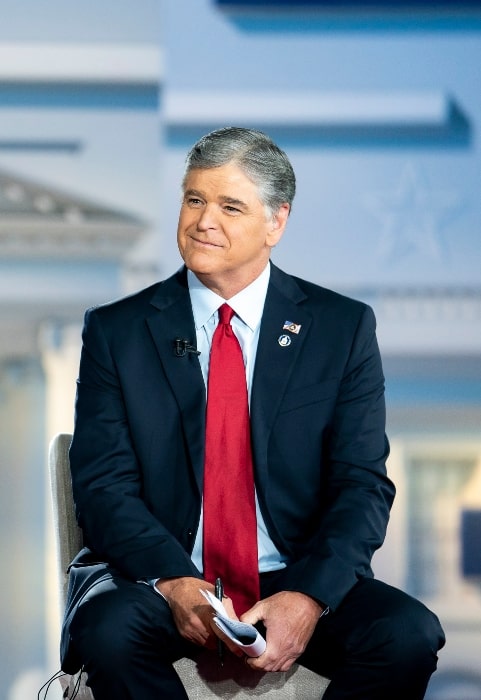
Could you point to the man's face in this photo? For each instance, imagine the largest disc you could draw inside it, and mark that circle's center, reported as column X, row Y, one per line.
column 224, row 233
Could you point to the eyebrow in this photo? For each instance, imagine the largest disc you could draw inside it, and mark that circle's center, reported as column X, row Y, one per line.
column 234, row 201
column 193, row 193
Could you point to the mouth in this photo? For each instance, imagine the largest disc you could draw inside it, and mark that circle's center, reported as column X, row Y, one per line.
column 205, row 244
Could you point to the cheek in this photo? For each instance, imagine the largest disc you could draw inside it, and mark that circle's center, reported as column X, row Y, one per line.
column 180, row 235
column 182, row 240
column 187, row 218
column 185, row 222
column 251, row 243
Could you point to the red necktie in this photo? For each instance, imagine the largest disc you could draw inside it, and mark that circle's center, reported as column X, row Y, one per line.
column 230, row 526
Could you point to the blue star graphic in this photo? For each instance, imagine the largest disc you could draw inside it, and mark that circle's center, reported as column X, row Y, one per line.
column 412, row 217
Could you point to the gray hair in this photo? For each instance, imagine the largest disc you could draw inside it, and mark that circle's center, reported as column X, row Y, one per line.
column 259, row 158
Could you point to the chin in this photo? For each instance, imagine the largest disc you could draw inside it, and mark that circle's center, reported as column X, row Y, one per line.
column 200, row 264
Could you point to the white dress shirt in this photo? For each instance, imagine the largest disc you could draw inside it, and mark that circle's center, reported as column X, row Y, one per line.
column 248, row 306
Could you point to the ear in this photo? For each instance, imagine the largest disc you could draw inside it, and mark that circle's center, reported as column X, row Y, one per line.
column 277, row 225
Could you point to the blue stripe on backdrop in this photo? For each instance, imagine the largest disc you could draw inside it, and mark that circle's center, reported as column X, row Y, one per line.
column 332, row 4
column 429, row 391
column 41, row 145
column 79, row 96
column 378, row 16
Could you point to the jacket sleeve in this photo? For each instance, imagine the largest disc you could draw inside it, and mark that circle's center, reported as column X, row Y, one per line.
column 357, row 493
column 106, row 475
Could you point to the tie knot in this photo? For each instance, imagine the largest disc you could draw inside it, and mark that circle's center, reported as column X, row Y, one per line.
column 225, row 314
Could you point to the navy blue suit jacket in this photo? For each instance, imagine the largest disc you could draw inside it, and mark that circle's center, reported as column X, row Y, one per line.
column 318, row 433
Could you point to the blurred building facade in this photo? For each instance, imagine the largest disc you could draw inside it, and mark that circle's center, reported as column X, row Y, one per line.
column 379, row 111
column 79, row 162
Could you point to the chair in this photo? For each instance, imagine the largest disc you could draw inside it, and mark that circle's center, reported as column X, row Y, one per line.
column 203, row 679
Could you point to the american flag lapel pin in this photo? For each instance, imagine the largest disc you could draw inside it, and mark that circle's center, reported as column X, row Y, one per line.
column 291, row 327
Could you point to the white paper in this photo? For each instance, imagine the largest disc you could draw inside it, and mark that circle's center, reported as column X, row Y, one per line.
column 241, row 633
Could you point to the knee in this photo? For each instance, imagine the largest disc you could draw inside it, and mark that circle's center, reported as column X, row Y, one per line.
column 102, row 631
column 423, row 629
column 415, row 636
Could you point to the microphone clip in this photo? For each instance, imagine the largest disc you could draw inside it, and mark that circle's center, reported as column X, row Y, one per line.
column 183, row 346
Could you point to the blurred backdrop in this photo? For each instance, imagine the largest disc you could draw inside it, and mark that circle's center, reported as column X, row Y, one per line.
column 380, row 112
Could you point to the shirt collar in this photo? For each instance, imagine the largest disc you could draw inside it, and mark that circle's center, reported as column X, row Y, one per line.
column 248, row 304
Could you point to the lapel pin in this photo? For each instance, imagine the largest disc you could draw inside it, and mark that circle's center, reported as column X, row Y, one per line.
column 284, row 341
column 292, row 327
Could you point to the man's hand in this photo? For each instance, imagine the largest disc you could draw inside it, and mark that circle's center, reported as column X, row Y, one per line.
column 193, row 616
column 290, row 619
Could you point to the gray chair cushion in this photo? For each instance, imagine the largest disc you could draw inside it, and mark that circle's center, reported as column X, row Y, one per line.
column 204, row 680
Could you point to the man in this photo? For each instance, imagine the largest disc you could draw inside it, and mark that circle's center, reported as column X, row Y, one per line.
column 141, row 455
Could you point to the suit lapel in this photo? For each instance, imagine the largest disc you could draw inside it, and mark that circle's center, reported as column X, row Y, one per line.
column 171, row 319
column 277, row 352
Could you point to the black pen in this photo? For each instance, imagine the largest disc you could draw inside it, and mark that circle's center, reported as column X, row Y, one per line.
column 219, row 594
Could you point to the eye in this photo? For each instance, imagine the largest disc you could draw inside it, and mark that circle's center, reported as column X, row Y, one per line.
column 193, row 202
column 231, row 210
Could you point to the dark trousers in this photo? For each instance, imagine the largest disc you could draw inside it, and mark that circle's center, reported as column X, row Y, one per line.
column 380, row 644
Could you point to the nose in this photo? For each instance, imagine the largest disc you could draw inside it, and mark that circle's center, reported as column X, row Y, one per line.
column 207, row 219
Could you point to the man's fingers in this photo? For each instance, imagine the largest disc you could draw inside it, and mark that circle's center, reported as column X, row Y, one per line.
column 225, row 639
column 266, row 663
column 254, row 614
column 229, row 607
